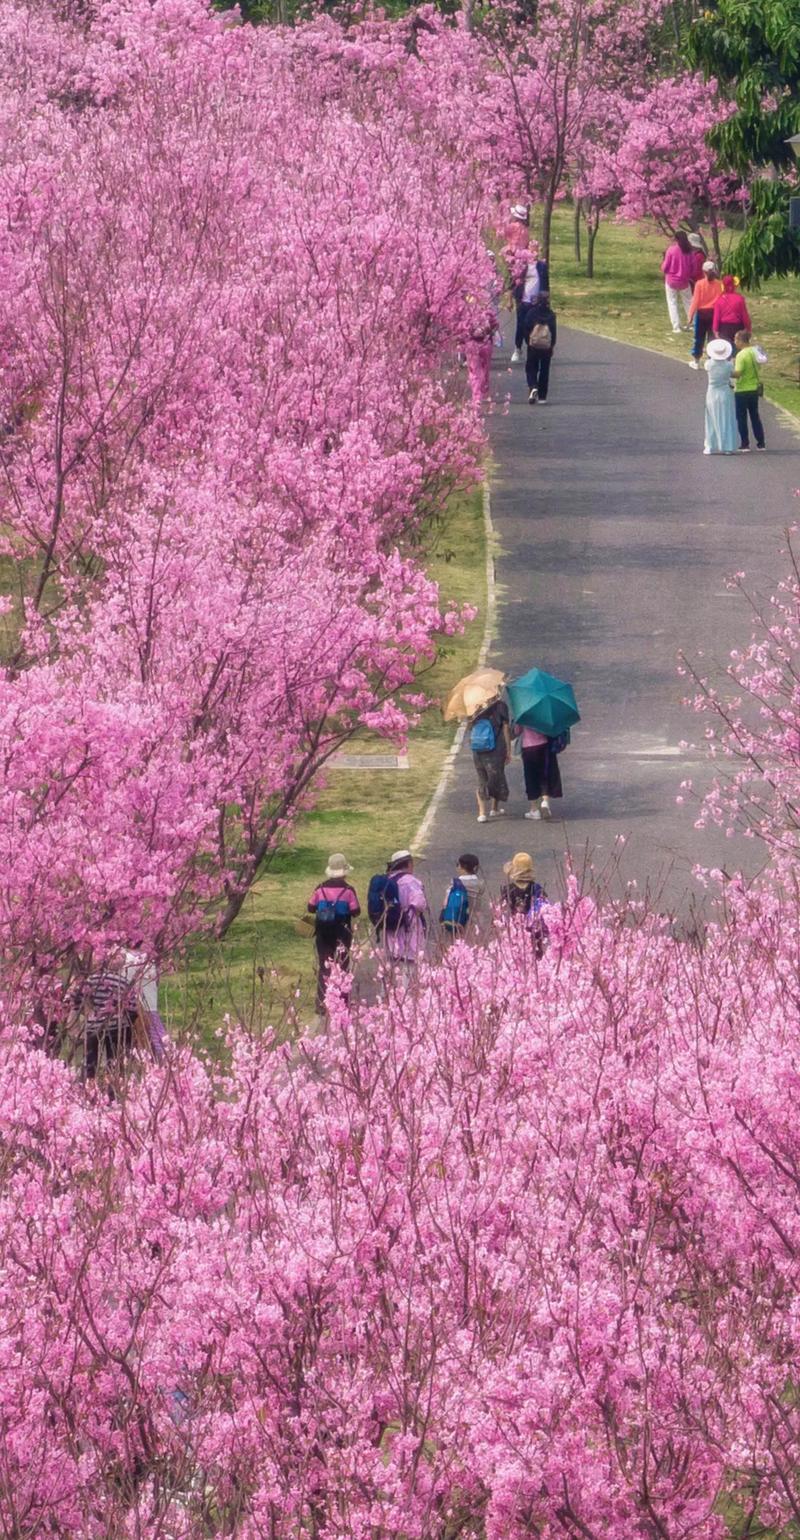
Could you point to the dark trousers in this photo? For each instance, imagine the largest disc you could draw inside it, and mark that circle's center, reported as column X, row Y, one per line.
column 537, row 370
column 746, row 402
column 116, row 1038
column 329, row 951
column 702, row 331
column 541, row 772
column 727, row 331
column 523, row 327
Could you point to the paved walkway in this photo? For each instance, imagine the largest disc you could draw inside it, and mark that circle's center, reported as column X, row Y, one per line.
column 615, row 538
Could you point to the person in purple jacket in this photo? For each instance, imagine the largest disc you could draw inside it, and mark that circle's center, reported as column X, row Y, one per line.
column 677, row 268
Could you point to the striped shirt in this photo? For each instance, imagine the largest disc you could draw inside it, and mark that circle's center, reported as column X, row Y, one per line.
column 109, row 997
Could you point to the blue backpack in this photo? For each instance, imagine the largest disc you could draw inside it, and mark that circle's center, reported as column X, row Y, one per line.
column 330, row 915
column 482, row 738
column 559, row 743
column 383, row 902
column 455, row 914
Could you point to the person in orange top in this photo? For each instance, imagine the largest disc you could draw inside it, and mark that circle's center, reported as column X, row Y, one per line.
column 706, row 292
column 731, row 314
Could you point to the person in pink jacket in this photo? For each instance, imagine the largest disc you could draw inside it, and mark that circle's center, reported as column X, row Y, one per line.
column 407, row 942
column 677, row 267
column 730, row 314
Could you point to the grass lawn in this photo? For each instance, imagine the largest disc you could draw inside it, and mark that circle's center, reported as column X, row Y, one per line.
column 266, row 961
column 625, row 300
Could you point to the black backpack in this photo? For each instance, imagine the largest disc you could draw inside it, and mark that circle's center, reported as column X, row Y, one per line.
column 383, row 902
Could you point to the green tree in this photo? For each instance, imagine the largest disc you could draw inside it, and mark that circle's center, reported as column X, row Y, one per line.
column 752, row 48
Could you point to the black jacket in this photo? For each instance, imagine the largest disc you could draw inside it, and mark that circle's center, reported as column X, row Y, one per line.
column 542, row 315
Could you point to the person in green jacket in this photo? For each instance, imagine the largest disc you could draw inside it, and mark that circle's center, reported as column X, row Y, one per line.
column 747, row 382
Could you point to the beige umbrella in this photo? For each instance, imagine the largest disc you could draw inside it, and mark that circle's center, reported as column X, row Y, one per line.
column 472, row 692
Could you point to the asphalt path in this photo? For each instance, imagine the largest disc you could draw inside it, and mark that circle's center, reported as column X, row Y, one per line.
column 615, row 539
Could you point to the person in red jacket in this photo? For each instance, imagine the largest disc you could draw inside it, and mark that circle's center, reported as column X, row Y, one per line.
column 730, row 314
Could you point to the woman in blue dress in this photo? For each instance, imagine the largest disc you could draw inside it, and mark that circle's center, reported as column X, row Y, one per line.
column 721, row 435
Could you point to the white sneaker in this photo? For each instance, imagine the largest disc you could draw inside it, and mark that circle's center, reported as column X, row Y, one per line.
column 693, row 364
column 535, row 814
column 516, row 356
column 542, row 401
column 481, row 818
column 533, row 396
column 546, row 813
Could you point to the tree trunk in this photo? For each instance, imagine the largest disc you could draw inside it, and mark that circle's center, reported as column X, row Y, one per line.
column 576, row 229
column 592, row 227
column 714, row 223
column 547, row 221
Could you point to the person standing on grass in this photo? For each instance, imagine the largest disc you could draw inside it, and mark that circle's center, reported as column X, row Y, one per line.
column 698, row 257
column 677, row 267
column 541, row 340
column 490, row 741
column 705, row 294
column 730, row 314
column 531, row 280
column 109, row 1001
column 334, row 905
column 746, row 391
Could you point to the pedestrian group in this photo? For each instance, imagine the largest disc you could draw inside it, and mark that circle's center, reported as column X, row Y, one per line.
column 716, row 311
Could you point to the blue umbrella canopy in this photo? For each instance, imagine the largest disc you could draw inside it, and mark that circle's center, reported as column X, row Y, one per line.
column 541, row 701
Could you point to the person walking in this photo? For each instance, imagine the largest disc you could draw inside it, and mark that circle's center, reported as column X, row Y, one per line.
column 720, row 414
column 532, row 279
column 730, row 314
column 334, row 905
column 490, row 741
column 406, row 942
column 463, row 898
column 541, row 771
column 677, row 268
column 522, row 895
column 746, row 391
column 541, row 339
column 705, row 294
column 517, row 231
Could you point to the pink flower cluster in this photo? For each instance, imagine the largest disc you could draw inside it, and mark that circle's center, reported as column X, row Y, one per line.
column 228, row 398
column 516, row 1255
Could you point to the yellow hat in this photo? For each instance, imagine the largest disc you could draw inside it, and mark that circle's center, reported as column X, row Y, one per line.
column 520, row 868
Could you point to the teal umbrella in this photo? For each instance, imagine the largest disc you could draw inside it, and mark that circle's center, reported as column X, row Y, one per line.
column 541, row 701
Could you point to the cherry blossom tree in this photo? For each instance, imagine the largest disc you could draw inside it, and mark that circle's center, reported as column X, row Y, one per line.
column 228, row 409
column 665, row 166
column 515, row 1255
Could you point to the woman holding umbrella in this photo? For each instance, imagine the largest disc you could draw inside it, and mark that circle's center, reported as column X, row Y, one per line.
column 477, row 697
column 543, row 708
column 541, row 771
